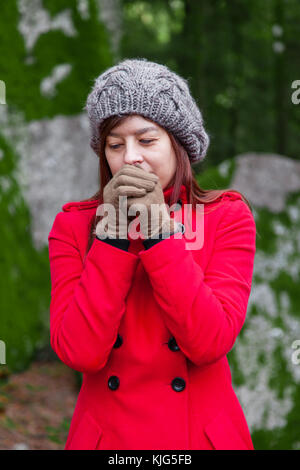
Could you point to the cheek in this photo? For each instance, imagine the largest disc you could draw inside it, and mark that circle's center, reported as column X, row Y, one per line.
column 162, row 160
column 113, row 162
column 167, row 163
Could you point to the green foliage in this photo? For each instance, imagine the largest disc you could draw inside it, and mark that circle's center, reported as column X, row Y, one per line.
column 217, row 177
column 227, row 52
column 24, row 285
column 25, row 278
column 148, row 27
column 87, row 52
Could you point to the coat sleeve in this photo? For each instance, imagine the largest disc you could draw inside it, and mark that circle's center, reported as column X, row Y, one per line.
column 205, row 311
column 87, row 297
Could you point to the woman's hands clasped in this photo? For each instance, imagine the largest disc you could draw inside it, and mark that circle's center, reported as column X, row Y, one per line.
column 129, row 181
column 144, row 196
column 154, row 217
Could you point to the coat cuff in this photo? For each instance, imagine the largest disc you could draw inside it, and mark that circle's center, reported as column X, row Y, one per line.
column 149, row 242
column 122, row 243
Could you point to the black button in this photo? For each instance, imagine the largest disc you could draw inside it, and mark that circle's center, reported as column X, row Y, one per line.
column 113, row 382
column 172, row 344
column 118, row 341
column 178, row 384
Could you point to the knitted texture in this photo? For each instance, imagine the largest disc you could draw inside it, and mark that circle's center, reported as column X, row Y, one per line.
column 153, row 91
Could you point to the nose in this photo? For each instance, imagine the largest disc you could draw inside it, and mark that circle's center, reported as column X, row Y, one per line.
column 132, row 154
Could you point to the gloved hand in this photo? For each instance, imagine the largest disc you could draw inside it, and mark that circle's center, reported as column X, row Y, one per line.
column 157, row 220
column 124, row 183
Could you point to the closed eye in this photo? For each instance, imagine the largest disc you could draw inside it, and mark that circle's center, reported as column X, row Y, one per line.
column 144, row 141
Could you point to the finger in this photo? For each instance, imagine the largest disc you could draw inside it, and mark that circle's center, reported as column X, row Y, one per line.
column 125, row 180
column 135, row 171
column 136, row 201
column 130, row 191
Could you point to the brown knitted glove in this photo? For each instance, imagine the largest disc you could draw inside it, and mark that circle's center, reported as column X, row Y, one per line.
column 153, row 212
column 130, row 182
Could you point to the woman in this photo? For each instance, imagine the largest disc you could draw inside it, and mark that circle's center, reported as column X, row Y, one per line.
column 149, row 319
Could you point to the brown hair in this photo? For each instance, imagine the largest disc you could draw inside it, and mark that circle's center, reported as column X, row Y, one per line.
column 184, row 175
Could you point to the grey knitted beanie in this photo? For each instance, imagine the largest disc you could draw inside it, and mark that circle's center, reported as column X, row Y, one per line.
column 153, row 91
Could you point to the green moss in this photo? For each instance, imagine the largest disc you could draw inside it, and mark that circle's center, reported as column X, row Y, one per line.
column 238, row 377
column 261, row 358
column 285, row 283
column 284, row 438
column 88, row 52
column 25, row 278
column 265, row 439
column 266, row 241
column 278, row 322
column 289, row 435
column 280, row 377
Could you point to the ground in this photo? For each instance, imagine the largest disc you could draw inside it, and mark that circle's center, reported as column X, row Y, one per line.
column 36, row 407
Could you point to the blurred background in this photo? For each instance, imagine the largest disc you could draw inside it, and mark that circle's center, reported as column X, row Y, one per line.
column 241, row 59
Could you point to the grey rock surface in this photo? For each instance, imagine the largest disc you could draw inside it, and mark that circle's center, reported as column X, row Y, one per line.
column 56, row 165
column 266, row 179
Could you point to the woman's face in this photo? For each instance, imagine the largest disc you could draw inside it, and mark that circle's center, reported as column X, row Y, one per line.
column 138, row 140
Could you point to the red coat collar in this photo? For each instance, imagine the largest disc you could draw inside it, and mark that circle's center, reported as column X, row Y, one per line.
column 182, row 195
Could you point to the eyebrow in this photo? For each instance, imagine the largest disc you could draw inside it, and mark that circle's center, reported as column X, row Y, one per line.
column 138, row 132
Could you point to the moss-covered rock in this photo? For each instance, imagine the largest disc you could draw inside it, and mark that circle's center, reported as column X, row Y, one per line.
column 24, row 272
column 51, row 52
column 264, row 361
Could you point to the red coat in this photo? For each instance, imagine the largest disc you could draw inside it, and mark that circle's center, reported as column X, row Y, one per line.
column 150, row 330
